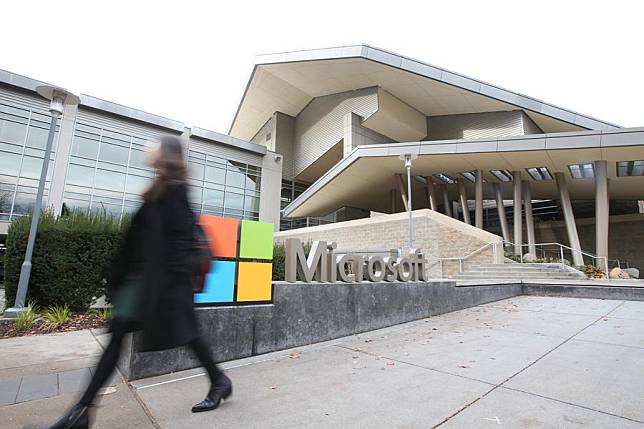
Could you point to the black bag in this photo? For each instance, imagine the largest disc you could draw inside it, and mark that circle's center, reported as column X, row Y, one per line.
column 201, row 259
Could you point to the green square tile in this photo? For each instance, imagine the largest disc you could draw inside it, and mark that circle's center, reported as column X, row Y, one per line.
column 256, row 240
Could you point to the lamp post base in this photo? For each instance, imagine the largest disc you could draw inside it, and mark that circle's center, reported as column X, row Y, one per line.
column 13, row 312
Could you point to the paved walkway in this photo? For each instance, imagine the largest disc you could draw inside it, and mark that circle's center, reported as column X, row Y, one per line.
column 526, row 362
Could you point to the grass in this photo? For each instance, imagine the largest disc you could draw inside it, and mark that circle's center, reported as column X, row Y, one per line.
column 28, row 317
column 103, row 313
column 56, row 316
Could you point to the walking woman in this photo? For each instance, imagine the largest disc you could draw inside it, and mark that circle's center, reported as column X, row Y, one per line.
column 151, row 281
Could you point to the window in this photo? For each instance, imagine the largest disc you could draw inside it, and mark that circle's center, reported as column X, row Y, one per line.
column 469, row 175
column 114, row 153
column 539, row 173
column 630, row 168
column 502, row 175
column 136, row 184
column 9, row 164
column 215, row 174
column 213, row 197
column 111, row 180
column 445, row 178
column 582, row 171
column 138, row 158
column 195, row 171
column 234, row 201
column 80, row 176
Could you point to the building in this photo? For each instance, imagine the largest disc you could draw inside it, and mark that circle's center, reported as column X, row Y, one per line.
column 341, row 118
column 97, row 163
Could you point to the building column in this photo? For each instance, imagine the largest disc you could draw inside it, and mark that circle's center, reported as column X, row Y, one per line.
column 430, row 190
column 446, row 202
column 392, row 195
column 569, row 217
column 602, row 205
column 59, row 171
column 403, row 193
column 462, row 194
column 529, row 220
column 500, row 208
column 518, row 224
column 478, row 206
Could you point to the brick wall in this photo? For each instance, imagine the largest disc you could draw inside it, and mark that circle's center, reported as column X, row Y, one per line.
column 437, row 235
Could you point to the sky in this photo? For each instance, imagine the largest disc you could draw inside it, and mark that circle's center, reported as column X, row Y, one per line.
column 191, row 60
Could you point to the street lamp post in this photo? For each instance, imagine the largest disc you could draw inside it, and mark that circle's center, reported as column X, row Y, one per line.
column 408, row 158
column 59, row 97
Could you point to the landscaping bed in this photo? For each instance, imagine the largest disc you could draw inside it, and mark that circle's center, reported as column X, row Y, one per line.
column 76, row 322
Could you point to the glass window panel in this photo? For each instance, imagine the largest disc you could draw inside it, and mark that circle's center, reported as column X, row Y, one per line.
column 215, row 175
column 234, row 201
column 112, row 167
column 15, row 111
column 24, row 203
column 213, row 197
column 12, row 132
column 253, row 183
column 138, row 158
column 85, row 147
column 251, row 204
column 195, row 171
column 116, row 138
column 215, row 211
column 113, row 153
column 235, row 179
column 99, row 207
column 136, row 184
column 6, row 199
column 109, row 180
column 10, row 147
column 80, row 175
column 9, row 163
column 37, row 137
column 31, row 167
column 194, row 194
column 197, row 155
column 74, row 205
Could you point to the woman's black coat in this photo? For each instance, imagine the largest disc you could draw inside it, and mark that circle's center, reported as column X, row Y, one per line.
column 157, row 245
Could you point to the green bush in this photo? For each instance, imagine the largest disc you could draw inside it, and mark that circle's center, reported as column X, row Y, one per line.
column 56, row 316
column 279, row 258
column 70, row 261
column 28, row 317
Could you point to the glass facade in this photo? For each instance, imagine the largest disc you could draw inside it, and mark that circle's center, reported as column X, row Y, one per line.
column 107, row 173
column 290, row 191
column 223, row 187
column 23, row 137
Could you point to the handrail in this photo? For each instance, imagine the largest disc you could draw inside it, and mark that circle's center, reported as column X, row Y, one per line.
column 460, row 259
column 561, row 253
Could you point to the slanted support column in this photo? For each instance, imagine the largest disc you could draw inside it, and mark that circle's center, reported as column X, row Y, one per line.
column 500, row 208
column 569, row 218
column 446, row 202
column 602, row 205
column 478, row 195
column 462, row 194
column 401, row 188
column 529, row 220
column 430, row 190
column 518, row 223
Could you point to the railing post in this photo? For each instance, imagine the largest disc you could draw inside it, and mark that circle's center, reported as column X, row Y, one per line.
column 561, row 254
column 460, row 265
column 521, row 256
column 606, row 267
column 440, row 263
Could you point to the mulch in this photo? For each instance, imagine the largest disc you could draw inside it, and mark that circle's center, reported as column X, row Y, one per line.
column 77, row 322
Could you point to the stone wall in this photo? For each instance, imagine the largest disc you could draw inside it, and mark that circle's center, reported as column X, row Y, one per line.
column 437, row 235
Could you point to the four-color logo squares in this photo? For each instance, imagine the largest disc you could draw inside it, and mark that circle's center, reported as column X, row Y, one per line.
column 241, row 271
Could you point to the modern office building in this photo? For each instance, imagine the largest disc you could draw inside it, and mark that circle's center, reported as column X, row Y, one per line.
column 98, row 161
column 342, row 117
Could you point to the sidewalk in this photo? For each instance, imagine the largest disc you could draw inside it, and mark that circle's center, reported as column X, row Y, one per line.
column 526, row 362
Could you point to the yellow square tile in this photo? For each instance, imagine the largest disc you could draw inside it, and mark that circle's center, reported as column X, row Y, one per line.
column 254, row 282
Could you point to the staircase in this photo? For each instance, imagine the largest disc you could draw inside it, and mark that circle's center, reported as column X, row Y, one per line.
column 521, row 271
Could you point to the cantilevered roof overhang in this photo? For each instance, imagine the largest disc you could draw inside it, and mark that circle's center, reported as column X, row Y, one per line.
column 366, row 176
column 287, row 82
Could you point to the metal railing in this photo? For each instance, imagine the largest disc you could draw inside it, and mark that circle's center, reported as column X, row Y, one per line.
column 559, row 253
column 462, row 259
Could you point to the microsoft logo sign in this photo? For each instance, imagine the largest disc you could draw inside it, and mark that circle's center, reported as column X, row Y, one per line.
column 241, row 271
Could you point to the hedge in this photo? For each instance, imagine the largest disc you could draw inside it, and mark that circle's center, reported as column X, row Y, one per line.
column 279, row 258
column 71, row 258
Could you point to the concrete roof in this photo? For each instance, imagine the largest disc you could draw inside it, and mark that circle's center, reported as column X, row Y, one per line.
column 286, row 82
column 364, row 178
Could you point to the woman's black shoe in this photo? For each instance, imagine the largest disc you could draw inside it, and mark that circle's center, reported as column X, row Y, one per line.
column 76, row 418
column 222, row 390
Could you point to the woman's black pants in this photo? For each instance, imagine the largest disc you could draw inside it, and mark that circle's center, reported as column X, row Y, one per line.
column 110, row 356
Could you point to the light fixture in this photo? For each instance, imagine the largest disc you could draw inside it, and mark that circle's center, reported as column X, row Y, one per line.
column 582, row 171
column 445, row 178
column 470, row 175
column 502, row 175
column 539, row 173
column 630, row 168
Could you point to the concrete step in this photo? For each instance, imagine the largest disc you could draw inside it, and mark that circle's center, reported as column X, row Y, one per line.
column 547, row 266
column 518, row 275
column 520, row 269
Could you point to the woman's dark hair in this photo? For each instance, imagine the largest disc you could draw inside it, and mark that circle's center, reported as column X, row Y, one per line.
column 171, row 168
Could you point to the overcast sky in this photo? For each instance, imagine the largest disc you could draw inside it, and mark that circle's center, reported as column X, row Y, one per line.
column 191, row 60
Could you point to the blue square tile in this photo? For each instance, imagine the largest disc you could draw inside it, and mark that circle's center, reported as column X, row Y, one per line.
column 220, row 283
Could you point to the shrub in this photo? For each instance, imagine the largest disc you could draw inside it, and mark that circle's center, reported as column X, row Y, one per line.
column 56, row 316
column 70, row 260
column 592, row 271
column 103, row 313
column 279, row 260
column 28, row 317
